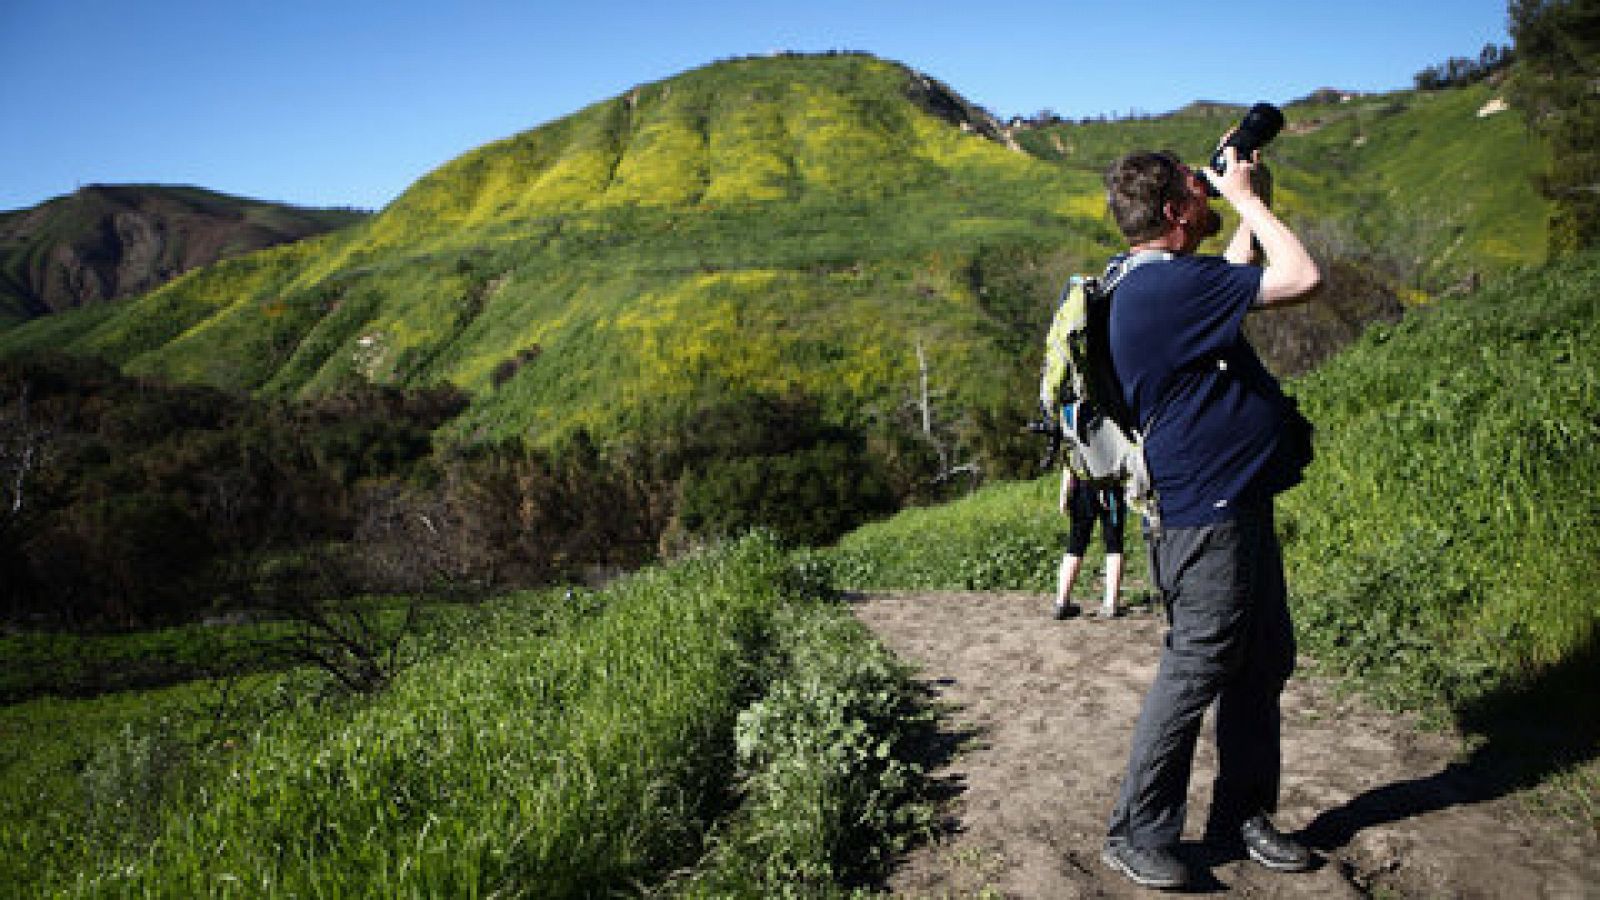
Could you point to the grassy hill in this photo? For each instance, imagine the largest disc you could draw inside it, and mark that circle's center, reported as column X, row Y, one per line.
column 1416, row 181
column 783, row 225
column 778, row 224
column 109, row 241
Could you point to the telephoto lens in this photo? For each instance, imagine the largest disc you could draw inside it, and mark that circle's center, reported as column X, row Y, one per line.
column 1260, row 125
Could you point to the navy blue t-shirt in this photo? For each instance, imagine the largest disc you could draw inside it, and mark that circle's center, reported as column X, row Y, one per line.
column 1178, row 347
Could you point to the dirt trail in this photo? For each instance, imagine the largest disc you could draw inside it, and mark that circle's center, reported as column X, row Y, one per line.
column 1040, row 716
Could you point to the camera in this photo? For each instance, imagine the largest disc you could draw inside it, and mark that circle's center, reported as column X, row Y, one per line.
column 1047, row 427
column 1259, row 126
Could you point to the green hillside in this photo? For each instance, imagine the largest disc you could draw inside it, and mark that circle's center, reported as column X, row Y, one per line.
column 1415, row 180
column 778, row 224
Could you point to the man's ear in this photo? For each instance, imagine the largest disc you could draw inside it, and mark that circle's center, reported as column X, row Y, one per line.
column 1172, row 213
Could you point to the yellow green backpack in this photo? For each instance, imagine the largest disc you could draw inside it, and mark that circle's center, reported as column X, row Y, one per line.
column 1079, row 395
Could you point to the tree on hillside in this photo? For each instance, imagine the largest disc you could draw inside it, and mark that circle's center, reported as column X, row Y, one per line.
column 1459, row 71
column 1557, row 87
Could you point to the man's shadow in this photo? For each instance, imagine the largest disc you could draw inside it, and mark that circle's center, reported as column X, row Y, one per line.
column 1524, row 734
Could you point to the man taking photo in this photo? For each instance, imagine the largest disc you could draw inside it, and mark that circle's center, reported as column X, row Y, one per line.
column 1220, row 441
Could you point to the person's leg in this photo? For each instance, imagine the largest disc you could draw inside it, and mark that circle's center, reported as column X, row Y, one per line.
column 1248, row 728
column 1112, row 524
column 1078, row 532
column 1113, row 583
column 1070, row 564
column 1200, row 572
column 1153, row 803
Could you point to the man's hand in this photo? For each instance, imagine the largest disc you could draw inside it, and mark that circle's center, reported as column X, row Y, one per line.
column 1236, row 181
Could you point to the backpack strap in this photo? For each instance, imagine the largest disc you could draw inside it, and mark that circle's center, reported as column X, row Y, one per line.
column 1123, row 263
column 1148, row 504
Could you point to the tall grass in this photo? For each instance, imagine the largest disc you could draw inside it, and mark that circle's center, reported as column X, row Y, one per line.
column 1446, row 543
column 537, row 764
column 559, row 747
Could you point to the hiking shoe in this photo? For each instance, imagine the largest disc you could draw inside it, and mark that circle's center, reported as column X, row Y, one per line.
column 1152, row 868
column 1272, row 848
column 1114, row 612
column 1064, row 611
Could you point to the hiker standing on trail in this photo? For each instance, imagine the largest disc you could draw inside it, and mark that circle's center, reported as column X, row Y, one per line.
column 1084, row 504
column 1221, row 440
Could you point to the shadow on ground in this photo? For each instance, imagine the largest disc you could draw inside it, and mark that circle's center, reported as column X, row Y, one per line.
column 1522, row 735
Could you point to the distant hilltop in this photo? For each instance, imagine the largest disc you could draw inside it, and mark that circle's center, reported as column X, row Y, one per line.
column 1198, row 108
column 1330, row 95
column 104, row 242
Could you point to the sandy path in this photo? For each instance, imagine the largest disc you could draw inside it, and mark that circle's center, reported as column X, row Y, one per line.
column 1044, row 710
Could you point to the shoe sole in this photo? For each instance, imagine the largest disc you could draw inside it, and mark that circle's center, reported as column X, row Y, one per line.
column 1160, row 884
column 1278, row 865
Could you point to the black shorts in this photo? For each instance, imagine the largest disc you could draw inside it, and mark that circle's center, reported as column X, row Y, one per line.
column 1085, row 505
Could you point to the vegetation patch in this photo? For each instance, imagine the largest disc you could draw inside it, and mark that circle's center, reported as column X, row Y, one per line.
column 1002, row 537
column 557, row 745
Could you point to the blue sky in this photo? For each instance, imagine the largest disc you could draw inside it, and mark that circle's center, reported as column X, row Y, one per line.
column 346, row 102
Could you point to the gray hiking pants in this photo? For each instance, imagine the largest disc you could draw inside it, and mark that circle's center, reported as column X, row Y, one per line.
column 1230, row 642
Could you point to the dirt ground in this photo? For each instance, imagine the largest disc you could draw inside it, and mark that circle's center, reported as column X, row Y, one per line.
column 1035, row 736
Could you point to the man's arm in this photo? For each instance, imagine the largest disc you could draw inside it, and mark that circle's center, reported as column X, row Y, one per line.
column 1291, row 274
column 1243, row 248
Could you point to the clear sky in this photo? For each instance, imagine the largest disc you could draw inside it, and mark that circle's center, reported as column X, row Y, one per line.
column 346, row 102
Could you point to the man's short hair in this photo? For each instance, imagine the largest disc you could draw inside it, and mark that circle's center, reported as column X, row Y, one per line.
column 1138, row 187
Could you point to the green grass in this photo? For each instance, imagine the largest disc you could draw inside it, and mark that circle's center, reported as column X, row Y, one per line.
column 71, row 665
column 82, row 781
column 1445, row 544
column 1004, row 537
column 707, row 725
column 1007, row 536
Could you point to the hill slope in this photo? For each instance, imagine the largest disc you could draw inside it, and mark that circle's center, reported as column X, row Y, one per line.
column 1433, row 185
column 111, row 241
column 778, row 224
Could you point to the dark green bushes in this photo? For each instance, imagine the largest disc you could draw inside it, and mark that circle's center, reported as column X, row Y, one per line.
column 759, row 461
column 133, row 503
column 137, row 504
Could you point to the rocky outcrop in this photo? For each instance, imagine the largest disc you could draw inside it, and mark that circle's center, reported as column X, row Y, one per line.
column 111, row 241
column 937, row 98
